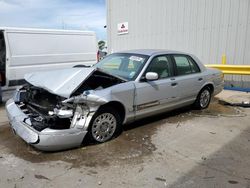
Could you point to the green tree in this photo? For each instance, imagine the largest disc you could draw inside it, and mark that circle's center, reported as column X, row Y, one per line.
column 101, row 45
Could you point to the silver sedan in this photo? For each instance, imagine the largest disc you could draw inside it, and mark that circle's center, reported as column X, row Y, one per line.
column 56, row 110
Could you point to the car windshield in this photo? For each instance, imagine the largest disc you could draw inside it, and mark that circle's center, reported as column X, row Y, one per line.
column 124, row 65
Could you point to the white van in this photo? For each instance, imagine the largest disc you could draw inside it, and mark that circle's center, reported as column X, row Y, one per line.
column 30, row 50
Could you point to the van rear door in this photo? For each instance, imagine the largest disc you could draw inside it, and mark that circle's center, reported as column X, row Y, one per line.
column 2, row 59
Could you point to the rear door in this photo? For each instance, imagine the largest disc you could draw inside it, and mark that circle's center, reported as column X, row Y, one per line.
column 188, row 78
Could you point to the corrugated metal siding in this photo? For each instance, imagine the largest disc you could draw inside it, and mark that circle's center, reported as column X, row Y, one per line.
column 206, row 28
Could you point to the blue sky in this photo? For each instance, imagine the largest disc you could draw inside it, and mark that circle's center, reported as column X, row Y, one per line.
column 58, row 14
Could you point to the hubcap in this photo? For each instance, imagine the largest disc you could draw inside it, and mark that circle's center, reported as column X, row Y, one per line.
column 204, row 98
column 104, row 127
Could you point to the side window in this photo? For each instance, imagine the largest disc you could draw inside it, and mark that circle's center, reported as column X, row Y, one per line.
column 162, row 66
column 185, row 65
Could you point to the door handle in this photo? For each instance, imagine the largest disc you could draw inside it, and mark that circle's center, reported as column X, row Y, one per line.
column 174, row 84
column 200, row 79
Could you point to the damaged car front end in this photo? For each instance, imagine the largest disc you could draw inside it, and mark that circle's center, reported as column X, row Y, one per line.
column 53, row 112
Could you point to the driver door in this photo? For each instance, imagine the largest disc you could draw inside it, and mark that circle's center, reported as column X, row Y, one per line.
column 155, row 96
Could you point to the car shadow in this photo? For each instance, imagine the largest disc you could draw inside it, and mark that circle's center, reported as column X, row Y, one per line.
column 156, row 118
column 150, row 122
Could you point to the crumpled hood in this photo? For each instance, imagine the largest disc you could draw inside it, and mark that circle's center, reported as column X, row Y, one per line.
column 60, row 82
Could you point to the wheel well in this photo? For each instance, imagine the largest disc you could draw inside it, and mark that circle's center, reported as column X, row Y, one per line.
column 117, row 106
column 210, row 86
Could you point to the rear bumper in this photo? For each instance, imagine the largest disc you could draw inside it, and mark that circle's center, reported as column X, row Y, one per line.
column 46, row 140
column 218, row 88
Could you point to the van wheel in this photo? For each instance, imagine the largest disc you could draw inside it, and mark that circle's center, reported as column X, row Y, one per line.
column 105, row 124
column 203, row 99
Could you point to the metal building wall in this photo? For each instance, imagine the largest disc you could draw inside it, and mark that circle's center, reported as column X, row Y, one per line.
column 206, row 28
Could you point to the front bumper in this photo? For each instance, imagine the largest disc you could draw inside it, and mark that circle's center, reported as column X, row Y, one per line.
column 46, row 140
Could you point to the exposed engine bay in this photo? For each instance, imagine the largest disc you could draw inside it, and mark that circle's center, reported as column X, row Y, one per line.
column 47, row 110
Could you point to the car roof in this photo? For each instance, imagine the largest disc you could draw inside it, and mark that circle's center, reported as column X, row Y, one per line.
column 155, row 52
column 151, row 52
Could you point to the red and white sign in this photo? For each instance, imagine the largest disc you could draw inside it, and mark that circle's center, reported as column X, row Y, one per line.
column 122, row 28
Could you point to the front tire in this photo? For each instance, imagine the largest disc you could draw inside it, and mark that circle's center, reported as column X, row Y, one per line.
column 105, row 124
column 203, row 99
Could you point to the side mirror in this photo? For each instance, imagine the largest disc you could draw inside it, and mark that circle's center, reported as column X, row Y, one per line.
column 150, row 76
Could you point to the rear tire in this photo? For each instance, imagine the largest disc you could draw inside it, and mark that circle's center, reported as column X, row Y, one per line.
column 203, row 99
column 105, row 124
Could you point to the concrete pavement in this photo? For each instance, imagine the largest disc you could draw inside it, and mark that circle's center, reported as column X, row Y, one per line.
column 184, row 148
